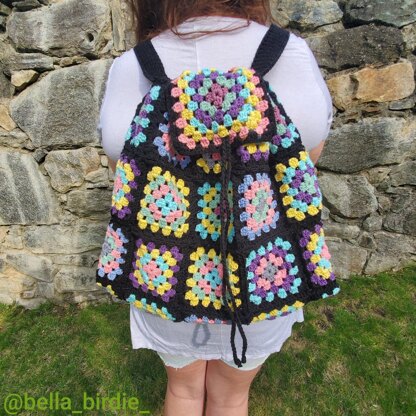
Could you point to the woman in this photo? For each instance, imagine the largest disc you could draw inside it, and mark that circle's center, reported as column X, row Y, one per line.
column 221, row 34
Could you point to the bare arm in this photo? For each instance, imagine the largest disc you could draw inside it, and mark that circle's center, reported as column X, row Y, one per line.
column 316, row 151
column 112, row 164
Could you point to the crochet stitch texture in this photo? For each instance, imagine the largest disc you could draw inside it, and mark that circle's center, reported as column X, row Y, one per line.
column 216, row 206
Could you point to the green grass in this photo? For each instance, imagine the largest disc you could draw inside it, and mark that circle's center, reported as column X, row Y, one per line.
column 355, row 354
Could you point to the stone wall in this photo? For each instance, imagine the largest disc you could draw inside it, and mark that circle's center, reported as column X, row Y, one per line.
column 54, row 176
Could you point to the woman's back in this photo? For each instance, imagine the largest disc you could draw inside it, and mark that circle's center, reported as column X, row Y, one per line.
column 295, row 78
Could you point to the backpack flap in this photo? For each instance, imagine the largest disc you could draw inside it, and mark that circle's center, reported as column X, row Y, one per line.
column 210, row 106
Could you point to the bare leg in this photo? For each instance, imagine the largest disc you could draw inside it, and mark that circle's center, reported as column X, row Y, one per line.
column 185, row 392
column 228, row 389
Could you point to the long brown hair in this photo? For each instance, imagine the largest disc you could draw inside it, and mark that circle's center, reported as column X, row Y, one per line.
column 151, row 17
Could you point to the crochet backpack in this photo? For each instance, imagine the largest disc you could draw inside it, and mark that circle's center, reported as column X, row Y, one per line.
column 216, row 208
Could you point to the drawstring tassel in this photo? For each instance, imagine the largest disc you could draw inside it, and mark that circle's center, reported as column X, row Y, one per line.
column 225, row 222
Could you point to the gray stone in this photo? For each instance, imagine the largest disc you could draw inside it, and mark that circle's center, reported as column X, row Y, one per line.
column 3, row 23
column 405, row 104
column 13, row 238
column 104, row 160
column 119, row 26
column 373, row 222
column 6, row 299
column 6, row 87
column 70, row 279
column 393, row 252
column 398, row 13
column 5, row 10
column 68, row 168
column 409, row 35
column 306, row 15
column 83, row 259
column 358, row 46
column 343, row 231
column 370, row 142
column 94, row 203
column 402, row 218
column 366, row 240
column 404, row 174
column 325, row 30
column 62, row 108
column 39, row 155
column 346, row 258
column 382, row 262
column 397, row 244
column 26, row 195
column 97, row 179
column 45, row 290
column 24, row 5
column 12, row 61
column 130, row 36
column 28, row 294
column 30, row 303
column 95, row 297
column 325, row 213
column 343, row 220
column 72, row 60
column 27, row 61
column 350, row 196
column 16, row 281
column 378, row 174
column 384, row 203
column 38, row 267
column 82, row 236
column 3, row 232
column 71, row 27
column 68, row 218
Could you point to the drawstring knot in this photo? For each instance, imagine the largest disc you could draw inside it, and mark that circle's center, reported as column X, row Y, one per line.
column 225, row 223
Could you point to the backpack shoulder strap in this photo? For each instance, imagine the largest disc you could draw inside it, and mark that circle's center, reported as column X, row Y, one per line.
column 270, row 49
column 150, row 62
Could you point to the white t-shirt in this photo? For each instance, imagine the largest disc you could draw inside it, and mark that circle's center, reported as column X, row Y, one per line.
column 300, row 87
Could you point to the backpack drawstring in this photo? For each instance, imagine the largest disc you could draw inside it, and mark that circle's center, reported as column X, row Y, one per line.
column 225, row 222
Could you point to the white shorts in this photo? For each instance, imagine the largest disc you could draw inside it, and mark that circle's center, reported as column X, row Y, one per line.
column 179, row 361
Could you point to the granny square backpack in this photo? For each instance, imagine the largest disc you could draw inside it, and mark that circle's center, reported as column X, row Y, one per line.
column 216, row 208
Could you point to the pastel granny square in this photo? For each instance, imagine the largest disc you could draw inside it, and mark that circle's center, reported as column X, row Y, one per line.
column 154, row 269
column 271, row 272
column 210, row 212
column 299, row 187
column 164, row 206
column 259, row 207
column 124, row 183
column 112, row 253
column 206, row 279
column 317, row 255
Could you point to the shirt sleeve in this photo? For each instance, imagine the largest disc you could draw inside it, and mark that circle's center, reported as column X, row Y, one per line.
column 322, row 86
column 299, row 83
column 121, row 97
